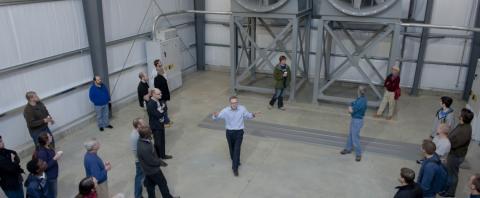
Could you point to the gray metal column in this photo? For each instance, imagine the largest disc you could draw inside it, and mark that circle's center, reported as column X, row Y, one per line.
column 474, row 56
column 200, row 34
column 252, row 31
column 327, row 54
column 395, row 48
column 306, row 52
column 422, row 49
column 293, row 83
column 233, row 54
column 93, row 13
column 318, row 61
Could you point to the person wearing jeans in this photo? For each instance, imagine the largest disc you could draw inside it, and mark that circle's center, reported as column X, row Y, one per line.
column 100, row 97
column 357, row 111
column 37, row 117
column 282, row 76
column 139, row 176
column 150, row 164
column 234, row 117
column 48, row 155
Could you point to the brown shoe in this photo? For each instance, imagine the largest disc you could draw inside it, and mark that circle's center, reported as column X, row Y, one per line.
column 389, row 117
column 377, row 116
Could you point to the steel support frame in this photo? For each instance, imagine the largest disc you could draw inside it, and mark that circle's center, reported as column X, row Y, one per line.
column 258, row 57
column 326, row 35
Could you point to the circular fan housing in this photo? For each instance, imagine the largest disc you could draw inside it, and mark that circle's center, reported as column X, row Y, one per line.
column 261, row 5
column 362, row 7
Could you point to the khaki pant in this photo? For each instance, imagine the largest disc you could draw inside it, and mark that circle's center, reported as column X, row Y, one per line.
column 388, row 98
column 102, row 190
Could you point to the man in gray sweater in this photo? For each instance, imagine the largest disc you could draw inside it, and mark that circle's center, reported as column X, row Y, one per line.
column 150, row 164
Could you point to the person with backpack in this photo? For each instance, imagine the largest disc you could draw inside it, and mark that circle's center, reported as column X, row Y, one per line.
column 392, row 93
column 443, row 115
column 282, row 76
column 460, row 138
column 433, row 176
column 48, row 155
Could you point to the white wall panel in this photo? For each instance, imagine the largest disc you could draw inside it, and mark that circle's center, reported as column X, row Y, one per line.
column 46, row 80
column 39, row 30
column 117, row 54
column 125, row 83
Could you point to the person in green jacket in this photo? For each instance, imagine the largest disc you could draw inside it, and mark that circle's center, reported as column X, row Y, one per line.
column 281, row 75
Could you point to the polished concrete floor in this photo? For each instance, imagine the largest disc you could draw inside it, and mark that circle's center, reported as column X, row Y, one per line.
column 271, row 167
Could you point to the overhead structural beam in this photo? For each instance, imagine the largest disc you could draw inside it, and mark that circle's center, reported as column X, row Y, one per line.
column 200, row 34
column 96, row 38
column 422, row 49
column 474, row 56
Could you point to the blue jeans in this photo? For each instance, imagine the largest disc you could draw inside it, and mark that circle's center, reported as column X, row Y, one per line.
column 138, row 180
column 52, row 188
column 278, row 95
column 102, row 116
column 353, row 139
column 35, row 133
column 18, row 193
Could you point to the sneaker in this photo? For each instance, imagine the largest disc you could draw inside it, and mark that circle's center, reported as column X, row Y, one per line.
column 345, row 151
column 101, row 128
column 167, row 125
column 358, row 158
column 282, row 108
column 110, row 126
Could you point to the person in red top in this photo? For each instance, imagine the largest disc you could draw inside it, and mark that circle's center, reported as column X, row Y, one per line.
column 392, row 92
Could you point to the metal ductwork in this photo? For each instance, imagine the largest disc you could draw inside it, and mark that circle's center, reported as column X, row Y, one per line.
column 363, row 8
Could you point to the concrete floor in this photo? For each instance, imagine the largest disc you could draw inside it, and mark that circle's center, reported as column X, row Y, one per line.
column 270, row 167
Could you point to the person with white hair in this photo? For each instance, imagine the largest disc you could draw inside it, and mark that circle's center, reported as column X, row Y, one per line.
column 95, row 167
column 392, row 93
column 357, row 111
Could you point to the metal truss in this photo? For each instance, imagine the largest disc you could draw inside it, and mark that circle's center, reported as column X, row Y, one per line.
column 243, row 40
column 326, row 35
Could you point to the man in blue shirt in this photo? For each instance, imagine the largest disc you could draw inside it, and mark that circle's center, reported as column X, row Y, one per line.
column 234, row 117
column 100, row 97
column 94, row 167
column 357, row 111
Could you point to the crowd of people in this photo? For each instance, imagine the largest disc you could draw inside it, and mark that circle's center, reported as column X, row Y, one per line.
column 444, row 149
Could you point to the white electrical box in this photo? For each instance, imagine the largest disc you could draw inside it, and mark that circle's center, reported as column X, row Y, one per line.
column 474, row 103
column 169, row 53
column 166, row 34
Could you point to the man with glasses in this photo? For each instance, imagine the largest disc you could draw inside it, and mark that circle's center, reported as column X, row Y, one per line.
column 234, row 117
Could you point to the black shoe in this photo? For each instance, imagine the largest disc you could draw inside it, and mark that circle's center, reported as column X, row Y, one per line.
column 162, row 163
column 358, row 158
column 344, row 151
column 420, row 161
column 235, row 172
column 110, row 126
column 167, row 157
column 445, row 194
column 101, row 128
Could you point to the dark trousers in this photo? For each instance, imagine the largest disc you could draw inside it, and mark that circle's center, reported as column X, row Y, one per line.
column 234, row 139
column 157, row 179
column 277, row 95
column 165, row 114
column 453, row 166
column 35, row 133
column 159, row 142
column 15, row 193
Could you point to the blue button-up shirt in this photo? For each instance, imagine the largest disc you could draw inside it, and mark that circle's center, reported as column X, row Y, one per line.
column 234, row 118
